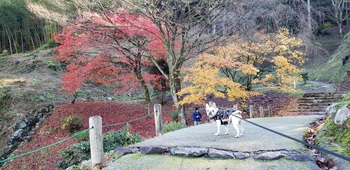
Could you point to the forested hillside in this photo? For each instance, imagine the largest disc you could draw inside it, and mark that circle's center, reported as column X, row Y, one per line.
column 336, row 68
column 21, row 30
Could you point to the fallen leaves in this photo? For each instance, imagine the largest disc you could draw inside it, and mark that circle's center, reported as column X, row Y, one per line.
column 322, row 161
column 50, row 130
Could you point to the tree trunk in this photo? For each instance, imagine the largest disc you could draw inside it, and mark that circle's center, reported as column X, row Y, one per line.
column 144, row 87
column 340, row 25
column 31, row 39
column 149, row 109
column 175, row 86
column 9, row 38
column 147, row 96
column 309, row 15
column 162, row 91
column 339, row 6
column 163, row 96
column 249, row 83
column 22, row 42
column 15, row 41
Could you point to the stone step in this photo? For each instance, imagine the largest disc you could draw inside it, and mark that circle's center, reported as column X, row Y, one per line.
column 308, row 112
column 313, row 113
column 315, row 103
column 322, row 95
column 311, row 109
column 312, row 106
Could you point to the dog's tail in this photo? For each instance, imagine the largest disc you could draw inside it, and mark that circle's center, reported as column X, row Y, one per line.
column 236, row 114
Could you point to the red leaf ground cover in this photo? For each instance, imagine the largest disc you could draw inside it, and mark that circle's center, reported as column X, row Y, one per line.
column 50, row 130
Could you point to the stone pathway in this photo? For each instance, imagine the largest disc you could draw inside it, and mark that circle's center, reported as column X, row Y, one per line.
column 317, row 87
column 196, row 147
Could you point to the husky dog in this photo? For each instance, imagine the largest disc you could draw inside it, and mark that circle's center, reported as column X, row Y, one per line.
column 224, row 117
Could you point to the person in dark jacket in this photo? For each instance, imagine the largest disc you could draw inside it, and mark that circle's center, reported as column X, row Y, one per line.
column 196, row 116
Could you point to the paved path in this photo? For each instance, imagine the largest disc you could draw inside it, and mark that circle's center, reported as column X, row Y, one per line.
column 255, row 139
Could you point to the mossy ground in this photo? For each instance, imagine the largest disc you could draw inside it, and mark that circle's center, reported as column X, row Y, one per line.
column 335, row 137
column 331, row 67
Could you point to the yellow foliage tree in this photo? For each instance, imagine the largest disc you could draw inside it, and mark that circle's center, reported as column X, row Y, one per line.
column 269, row 59
column 205, row 80
column 287, row 56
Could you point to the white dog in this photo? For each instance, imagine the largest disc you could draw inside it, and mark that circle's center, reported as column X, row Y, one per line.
column 223, row 117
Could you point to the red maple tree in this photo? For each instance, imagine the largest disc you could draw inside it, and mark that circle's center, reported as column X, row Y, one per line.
column 111, row 49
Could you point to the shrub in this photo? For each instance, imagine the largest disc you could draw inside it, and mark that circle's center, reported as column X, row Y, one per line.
column 305, row 77
column 327, row 25
column 73, row 156
column 174, row 115
column 72, row 123
column 54, row 65
column 172, row 126
column 5, row 99
column 83, row 137
column 345, row 101
column 4, row 53
column 111, row 140
column 124, row 137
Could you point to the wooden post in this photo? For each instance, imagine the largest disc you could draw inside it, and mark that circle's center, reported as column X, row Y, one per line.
column 261, row 110
column 96, row 142
column 295, row 85
column 270, row 110
column 251, row 111
column 158, row 119
column 235, row 107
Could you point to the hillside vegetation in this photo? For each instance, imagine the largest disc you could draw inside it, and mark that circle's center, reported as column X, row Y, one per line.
column 330, row 67
column 30, row 82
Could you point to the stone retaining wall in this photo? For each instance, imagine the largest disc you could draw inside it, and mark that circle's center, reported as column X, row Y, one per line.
column 190, row 151
column 25, row 128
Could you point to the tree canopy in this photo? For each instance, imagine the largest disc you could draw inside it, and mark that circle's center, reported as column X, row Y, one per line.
column 231, row 70
column 110, row 49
